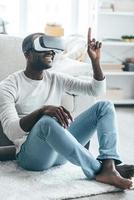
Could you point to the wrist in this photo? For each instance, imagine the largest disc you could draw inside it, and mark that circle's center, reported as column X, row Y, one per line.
column 41, row 112
column 95, row 62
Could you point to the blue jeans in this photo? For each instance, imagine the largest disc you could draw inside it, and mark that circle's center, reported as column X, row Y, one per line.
column 49, row 144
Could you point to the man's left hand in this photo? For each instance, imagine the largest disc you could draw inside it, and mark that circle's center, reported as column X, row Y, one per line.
column 93, row 48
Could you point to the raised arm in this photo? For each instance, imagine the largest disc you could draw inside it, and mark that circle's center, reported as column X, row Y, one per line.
column 94, row 52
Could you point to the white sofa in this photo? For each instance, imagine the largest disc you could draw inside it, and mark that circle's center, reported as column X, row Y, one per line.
column 12, row 59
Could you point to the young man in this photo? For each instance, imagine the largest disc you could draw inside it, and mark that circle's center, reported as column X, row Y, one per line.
column 44, row 132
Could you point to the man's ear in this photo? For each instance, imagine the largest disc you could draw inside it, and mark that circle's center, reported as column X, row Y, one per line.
column 27, row 55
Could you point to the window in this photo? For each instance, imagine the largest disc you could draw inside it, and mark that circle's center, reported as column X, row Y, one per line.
column 41, row 12
column 74, row 15
column 27, row 16
column 9, row 13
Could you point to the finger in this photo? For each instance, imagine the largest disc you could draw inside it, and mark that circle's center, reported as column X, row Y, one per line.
column 63, row 118
column 89, row 35
column 94, row 40
column 92, row 44
column 97, row 45
column 59, row 119
column 100, row 45
column 68, row 113
column 64, row 115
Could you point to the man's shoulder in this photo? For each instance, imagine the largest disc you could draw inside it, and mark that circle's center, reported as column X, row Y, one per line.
column 13, row 75
column 11, row 79
column 16, row 74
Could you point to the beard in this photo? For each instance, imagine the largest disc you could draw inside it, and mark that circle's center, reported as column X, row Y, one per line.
column 39, row 65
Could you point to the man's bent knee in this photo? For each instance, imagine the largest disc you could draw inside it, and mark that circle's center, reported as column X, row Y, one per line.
column 106, row 105
column 47, row 120
column 46, row 123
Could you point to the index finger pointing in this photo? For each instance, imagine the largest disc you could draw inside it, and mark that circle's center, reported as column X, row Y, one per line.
column 89, row 34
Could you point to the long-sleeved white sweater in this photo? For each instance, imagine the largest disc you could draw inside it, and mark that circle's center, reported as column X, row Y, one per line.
column 20, row 95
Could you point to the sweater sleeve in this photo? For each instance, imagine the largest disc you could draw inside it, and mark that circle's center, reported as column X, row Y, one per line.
column 91, row 87
column 8, row 115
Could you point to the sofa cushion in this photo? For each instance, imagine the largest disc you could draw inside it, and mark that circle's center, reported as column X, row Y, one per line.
column 11, row 60
column 11, row 56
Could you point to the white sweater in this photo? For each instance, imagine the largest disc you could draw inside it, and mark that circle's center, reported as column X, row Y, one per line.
column 20, row 95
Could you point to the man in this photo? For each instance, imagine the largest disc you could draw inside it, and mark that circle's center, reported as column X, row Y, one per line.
column 44, row 132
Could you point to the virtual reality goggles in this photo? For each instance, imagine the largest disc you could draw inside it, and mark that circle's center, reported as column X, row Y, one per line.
column 48, row 43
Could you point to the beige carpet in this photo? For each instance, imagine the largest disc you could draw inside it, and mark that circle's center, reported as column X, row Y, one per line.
column 67, row 181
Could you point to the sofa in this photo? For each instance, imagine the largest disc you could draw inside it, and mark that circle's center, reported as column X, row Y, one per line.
column 12, row 59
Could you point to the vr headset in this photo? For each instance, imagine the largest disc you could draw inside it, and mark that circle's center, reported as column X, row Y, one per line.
column 48, row 43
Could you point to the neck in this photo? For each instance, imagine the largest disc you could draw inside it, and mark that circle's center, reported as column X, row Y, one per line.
column 34, row 74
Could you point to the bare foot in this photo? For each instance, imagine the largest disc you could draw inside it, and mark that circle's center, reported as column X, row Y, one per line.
column 114, row 178
column 126, row 171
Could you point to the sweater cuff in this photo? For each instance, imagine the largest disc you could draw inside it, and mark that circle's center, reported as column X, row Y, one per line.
column 99, row 87
column 15, row 131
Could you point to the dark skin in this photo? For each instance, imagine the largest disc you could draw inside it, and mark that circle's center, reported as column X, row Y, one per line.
column 118, row 176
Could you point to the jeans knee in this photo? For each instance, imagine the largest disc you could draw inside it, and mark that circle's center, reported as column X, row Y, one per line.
column 46, row 123
column 47, row 120
column 106, row 106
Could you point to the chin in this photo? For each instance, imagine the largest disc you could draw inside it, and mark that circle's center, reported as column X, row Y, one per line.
column 47, row 67
column 43, row 67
